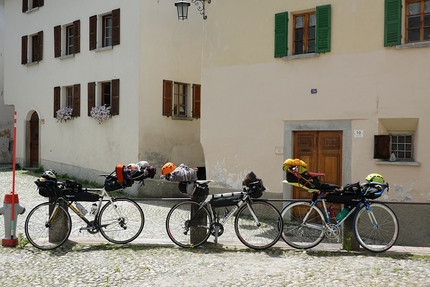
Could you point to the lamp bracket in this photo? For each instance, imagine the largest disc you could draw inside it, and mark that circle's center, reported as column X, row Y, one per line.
column 201, row 7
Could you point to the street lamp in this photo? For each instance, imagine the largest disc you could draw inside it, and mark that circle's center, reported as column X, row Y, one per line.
column 182, row 7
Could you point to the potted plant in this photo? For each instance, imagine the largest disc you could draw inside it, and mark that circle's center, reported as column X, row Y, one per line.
column 101, row 113
column 64, row 114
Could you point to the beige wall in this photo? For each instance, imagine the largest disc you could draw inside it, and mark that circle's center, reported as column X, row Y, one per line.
column 250, row 95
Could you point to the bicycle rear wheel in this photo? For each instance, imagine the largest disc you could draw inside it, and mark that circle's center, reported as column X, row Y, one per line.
column 188, row 224
column 121, row 221
column 48, row 232
column 376, row 227
column 299, row 233
column 261, row 232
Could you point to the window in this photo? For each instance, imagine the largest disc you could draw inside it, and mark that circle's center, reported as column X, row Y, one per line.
column 311, row 32
column 104, row 93
column 32, row 47
column 304, row 33
column 67, row 39
column 68, row 96
column 177, row 101
column 28, row 5
column 395, row 141
column 108, row 29
column 417, row 21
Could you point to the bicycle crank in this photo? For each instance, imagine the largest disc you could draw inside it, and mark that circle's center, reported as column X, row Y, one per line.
column 217, row 229
column 332, row 232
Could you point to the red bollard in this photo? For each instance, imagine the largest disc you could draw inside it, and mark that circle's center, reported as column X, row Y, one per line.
column 11, row 205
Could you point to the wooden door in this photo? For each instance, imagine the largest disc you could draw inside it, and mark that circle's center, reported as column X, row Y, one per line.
column 34, row 140
column 322, row 151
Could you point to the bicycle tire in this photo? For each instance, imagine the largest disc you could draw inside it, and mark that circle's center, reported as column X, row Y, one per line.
column 121, row 220
column 188, row 224
column 264, row 234
column 44, row 235
column 380, row 237
column 298, row 234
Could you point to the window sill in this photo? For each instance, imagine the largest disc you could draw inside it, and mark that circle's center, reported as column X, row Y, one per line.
column 66, row 56
column 413, row 45
column 32, row 10
column 406, row 163
column 301, row 56
column 182, row 118
column 103, row 49
column 32, row 63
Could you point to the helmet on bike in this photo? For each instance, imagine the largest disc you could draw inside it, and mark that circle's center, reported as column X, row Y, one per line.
column 168, row 168
column 375, row 177
column 50, row 174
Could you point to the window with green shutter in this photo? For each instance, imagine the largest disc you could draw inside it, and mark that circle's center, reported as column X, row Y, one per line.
column 392, row 22
column 281, row 34
column 323, row 28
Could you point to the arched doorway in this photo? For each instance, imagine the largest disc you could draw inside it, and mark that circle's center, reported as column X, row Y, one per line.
column 34, row 140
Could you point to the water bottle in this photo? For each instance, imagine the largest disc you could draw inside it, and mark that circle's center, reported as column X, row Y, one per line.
column 93, row 209
column 342, row 214
column 331, row 212
column 81, row 208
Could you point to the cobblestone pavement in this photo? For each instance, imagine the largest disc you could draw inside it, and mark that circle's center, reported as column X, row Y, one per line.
column 152, row 260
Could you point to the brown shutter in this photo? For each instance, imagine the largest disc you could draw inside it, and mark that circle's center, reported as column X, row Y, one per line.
column 56, row 100
column 57, row 41
column 76, row 100
column 40, row 46
column 115, row 27
column 41, row 3
column 167, row 97
column 91, row 96
column 196, row 101
column 93, row 32
column 77, row 36
column 115, row 97
column 24, row 6
column 24, row 47
column 382, row 147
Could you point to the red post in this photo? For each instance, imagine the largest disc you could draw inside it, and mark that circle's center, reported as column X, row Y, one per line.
column 12, row 222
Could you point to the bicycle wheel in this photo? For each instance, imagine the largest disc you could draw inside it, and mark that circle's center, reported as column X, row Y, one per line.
column 188, row 224
column 121, row 221
column 47, row 232
column 298, row 233
column 376, row 227
column 261, row 231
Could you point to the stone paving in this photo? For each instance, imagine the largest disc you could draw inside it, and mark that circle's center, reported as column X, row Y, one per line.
column 152, row 259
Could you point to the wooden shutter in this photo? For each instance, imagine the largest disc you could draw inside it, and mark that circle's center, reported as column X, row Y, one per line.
column 76, row 36
column 392, row 22
column 41, row 3
column 93, row 32
column 167, row 97
column 40, row 46
column 281, row 34
column 323, row 29
column 91, row 96
column 196, row 101
column 76, row 100
column 57, row 91
column 24, row 48
column 57, row 41
column 24, row 6
column 382, row 147
column 115, row 97
column 115, row 27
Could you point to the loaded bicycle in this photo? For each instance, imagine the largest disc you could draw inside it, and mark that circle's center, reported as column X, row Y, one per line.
column 257, row 223
column 375, row 225
column 119, row 220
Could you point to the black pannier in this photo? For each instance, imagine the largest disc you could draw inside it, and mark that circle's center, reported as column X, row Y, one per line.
column 346, row 198
column 304, row 179
column 255, row 187
column 73, row 191
column 225, row 201
column 47, row 188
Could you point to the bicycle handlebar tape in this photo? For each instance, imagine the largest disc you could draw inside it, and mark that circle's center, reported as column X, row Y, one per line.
column 10, row 210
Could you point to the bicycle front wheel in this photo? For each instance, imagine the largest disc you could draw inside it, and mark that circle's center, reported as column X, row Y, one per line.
column 376, row 227
column 121, row 220
column 303, row 224
column 188, row 224
column 48, row 226
column 258, row 225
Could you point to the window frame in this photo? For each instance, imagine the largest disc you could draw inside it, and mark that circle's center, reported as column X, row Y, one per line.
column 192, row 103
column 32, row 48
column 68, row 96
column 99, row 39
column 96, row 95
column 67, row 39
column 305, row 35
column 30, row 5
column 180, row 99
column 383, row 146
